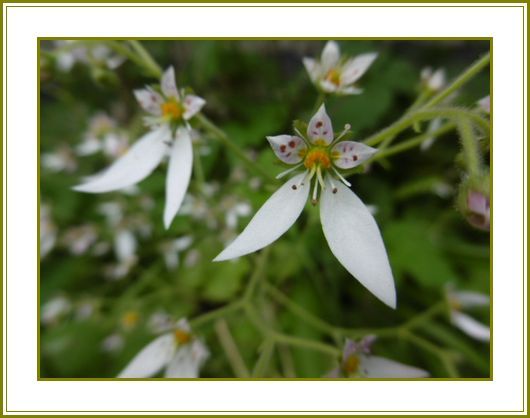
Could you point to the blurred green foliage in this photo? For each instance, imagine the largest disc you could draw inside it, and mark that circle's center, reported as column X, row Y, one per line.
column 254, row 89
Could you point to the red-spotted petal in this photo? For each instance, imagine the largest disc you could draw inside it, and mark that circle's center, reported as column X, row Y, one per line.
column 349, row 154
column 149, row 100
column 289, row 149
column 320, row 128
column 169, row 85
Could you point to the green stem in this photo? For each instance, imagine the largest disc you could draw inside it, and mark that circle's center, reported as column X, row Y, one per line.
column 230, row 348
column 145, row 56
column 467, row 75
column 236, row 149
column 470, row 147
column 257, row 276
column 216, row 314
column 264, row 359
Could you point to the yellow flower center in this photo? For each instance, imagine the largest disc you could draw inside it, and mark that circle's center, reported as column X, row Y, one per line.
column 319, row 157
column 130, row 319
column 172, row 110
column 351, row 365
column 333, row 76
column 182, row 337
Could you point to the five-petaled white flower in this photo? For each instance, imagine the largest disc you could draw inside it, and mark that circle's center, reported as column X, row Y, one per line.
column 357, row 361
column 459, row 300
column 170, row 134
column 333, row 75
column 349, row 228
column 178, row 352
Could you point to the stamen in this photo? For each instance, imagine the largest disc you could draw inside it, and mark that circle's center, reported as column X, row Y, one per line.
column 308, row 176
column 333, row 187
column 314, row 200
column 346, row 182
column 320, row 179
column 347, row 128
column 297, row 131
column 290, row 170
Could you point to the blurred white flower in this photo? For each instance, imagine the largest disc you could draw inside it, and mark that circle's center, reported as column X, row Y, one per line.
column 170, row 134
column 484, row 104
column 335, row 75
column 160, row 322
column 113, row 343
column 460, row 300
column 103, row 136
column 54, row 309
column 433, row 80
column 70, row 52
column 79, row 239
column 48, row 231
column 171, row 250
column 349, row 228
column 62, row 159
column 178, row 353
column 357, row 361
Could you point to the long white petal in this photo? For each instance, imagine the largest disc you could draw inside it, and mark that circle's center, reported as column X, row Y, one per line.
column 178, row 174
column 356, row 67
column 312, row 68
column 141, row 159
column 469, row 299
column 152, row 358
column 380, row 367
column 187, row 361
column 355, row 240
column 470, row 326
column 271, row 221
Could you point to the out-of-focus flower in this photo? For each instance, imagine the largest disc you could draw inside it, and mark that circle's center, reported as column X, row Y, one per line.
column 478, row 205
column 103, row 136
column 460, row 300
column 357, row 361
column 433, row 80
column 79, row 239
column 48, row 231
column 69, row 52
column 113, row 343
column 54, row 309
column 160, row 322
column 130, row 319
column 178, row 353
column 85, row 310
column 62, row 159
column 170, row 134
column 331, row 74
column 349, row 228
column 484, row 104
column 241, row 209
column 171, row 250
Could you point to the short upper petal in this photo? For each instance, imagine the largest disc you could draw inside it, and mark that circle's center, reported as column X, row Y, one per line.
column 381, row 367
column 152, row 358
column 178, row 174
column 168, row 84
column 470, row 326
column 290, row 149
column 320, row 127
column 354, row 238
column 149, row 100
column 330, row 56
column 272, row 220
column 192, row 105
column 349, row 154
column 356, row 67
column 312, row 67
column 187, row 361
column 136, row 164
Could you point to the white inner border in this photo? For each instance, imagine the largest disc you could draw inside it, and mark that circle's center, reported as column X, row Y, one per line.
column 507, row 25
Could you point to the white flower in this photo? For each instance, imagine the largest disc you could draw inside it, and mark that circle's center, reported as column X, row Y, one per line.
column 53, row 309
column 459, row 300
column 349, row 228
column 62, row 159
column 484, row 104
column 433, row 80
column 357, row 361
column 178, row 353
column 171, row 250
column 79, row 239
column 102, row 136
column 48, row 231
column 68, row 54
column 170, row 134
column 112, row 343
column 333, row 75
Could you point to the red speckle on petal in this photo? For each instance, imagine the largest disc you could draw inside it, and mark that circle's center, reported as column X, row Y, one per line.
column 292, row 144
column 288, row 154
column 318, row 124
column 325, row 133
column 315, row 133
column 354, row 158
column 282, row 148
